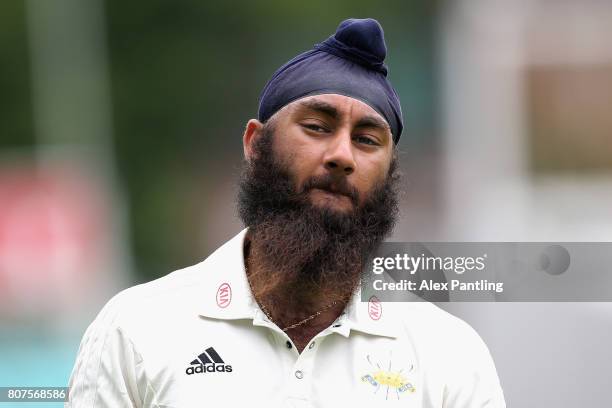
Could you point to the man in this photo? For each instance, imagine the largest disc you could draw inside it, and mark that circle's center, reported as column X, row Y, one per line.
column 273, row 317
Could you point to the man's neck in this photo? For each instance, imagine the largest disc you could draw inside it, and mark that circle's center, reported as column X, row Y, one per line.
column 302, row 312
column 303, row 334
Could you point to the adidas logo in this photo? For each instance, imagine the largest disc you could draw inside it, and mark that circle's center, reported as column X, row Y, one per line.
column 208, row 362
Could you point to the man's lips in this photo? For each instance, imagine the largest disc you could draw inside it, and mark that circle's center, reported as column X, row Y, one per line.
column 338, row 197
column 332, row 188
column 332, row 191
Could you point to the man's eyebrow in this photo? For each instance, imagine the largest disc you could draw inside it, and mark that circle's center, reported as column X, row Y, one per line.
column 320, row 106
column 373, row 121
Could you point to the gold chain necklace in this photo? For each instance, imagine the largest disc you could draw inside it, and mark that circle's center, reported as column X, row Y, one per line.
column 294, row 325
column 301, row 322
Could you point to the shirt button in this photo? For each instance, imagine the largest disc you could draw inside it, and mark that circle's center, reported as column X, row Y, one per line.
column 311, row 345
column 288, row 344
column 299, row 374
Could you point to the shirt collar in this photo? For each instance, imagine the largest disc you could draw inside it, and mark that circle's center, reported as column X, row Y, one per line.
column 224, row 269
column 226, row 295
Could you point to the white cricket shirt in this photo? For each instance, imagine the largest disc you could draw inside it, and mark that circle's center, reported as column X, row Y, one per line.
column 196, row 338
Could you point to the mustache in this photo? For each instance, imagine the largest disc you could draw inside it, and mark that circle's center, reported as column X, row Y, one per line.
column 332, row 184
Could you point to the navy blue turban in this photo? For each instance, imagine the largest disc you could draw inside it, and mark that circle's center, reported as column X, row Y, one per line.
column 349, row 63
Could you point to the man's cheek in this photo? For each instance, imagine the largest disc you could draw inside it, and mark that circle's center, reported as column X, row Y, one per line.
column 299, row 181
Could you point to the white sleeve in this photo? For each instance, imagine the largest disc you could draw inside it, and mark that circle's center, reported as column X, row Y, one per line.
column 474, row 381
column 108, row 369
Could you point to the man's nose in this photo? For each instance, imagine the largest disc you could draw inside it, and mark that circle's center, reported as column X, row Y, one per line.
column 339, row 157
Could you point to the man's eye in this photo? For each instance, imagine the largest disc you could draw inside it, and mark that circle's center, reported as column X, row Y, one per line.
column 366, row 140
column 313, row 127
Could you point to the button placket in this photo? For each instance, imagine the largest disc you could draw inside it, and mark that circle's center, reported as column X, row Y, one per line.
column 300, row 374
column 299, row 382
column 300, row 377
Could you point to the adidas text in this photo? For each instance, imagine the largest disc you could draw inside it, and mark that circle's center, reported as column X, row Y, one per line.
column 209, row 368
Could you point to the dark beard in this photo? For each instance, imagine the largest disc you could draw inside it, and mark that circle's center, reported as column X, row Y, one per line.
column 306, row 254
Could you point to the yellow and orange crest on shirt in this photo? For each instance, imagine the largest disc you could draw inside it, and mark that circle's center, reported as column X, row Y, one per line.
column 392, row 382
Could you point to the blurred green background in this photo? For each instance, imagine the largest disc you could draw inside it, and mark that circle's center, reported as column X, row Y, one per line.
column 185, row 77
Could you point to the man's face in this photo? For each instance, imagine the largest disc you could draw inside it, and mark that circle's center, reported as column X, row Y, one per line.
column 336, row 148
column 318, row 194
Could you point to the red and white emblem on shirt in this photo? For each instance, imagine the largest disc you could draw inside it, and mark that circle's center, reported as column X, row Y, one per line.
column 374, row 308
column 224, row 295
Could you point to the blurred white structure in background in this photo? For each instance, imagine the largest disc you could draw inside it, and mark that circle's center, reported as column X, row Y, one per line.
column 527, row 86
column 514, row 80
